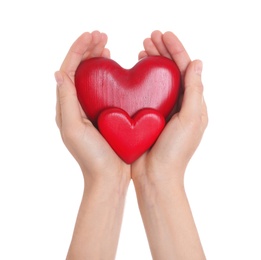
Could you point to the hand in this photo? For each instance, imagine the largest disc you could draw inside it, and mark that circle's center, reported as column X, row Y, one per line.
column 106, row 176
column 95, row 157
column 158, row 174
column 182, row 134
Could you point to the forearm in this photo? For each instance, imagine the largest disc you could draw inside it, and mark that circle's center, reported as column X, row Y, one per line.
column 98, row 224
column 168, row 221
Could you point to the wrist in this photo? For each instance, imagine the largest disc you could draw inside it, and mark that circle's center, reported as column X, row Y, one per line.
column 113, row 187
column 152, row 186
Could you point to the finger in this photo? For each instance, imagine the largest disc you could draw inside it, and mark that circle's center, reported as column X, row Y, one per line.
column 176, row 51
column 68, row 108
column 150, row 48
column 193, row 101
column 58, row 111
column 204, row 112
column 156, row 38
column 75, row 54
column 106, row 53
column 142, row 55
column 97, row 45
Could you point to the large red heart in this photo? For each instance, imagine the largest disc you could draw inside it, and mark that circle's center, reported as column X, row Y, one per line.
column 153, row 83
column 130, row 137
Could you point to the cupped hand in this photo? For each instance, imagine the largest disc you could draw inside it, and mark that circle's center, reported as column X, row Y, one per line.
column 95, row 157
column 168, row 158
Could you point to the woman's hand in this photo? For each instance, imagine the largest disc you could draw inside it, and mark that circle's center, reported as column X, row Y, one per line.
column 158, row 174
column 106, row 176
column 95, row 157
column 182, row 134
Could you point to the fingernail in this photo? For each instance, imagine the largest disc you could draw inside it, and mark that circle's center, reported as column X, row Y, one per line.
column 59, row 78
column 198, row 67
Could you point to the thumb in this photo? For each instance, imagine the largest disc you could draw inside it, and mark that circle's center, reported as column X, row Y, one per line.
column 67, row 100
column 193, row 90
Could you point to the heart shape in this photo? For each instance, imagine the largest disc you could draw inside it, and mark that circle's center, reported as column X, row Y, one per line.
column 146, row 94
column 130, row 137
column 102, row 83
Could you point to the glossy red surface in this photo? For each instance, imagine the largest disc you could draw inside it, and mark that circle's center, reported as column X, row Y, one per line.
column 130, row 137
column 102, row 84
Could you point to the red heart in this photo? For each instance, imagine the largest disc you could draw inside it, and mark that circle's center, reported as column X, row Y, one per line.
column 151, row 86
column 152, row 83
column 130, row 137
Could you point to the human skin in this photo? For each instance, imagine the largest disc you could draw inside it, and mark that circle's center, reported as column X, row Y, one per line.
column 158, row 175
column 106, row 176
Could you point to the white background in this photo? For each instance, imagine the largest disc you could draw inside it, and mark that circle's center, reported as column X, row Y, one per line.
column 41, row 184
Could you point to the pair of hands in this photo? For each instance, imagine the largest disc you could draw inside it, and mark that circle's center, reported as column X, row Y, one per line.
column 174, row 147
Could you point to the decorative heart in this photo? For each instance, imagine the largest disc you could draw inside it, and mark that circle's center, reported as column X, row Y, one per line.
column 152, row 83
column 151, row 86
column 130, row 137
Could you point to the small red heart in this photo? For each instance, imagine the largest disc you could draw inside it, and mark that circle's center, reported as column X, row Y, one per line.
column 130, row 137
column 102, row 83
